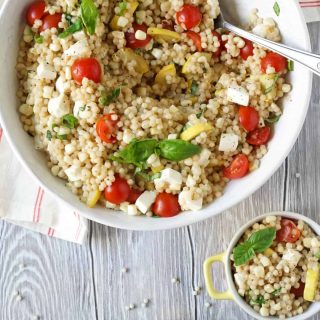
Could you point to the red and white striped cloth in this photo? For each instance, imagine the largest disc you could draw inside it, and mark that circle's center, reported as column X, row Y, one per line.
column 24, row 203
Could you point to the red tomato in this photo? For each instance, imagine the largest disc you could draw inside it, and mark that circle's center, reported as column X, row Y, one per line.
column 195, row 37
column 222, row 47
column 248, row 118
column 106, row 128
column 274, row 60
column 166, row 205
column 259, row 136
column 298, row 292
column 50, row 21
column 288, row 232
column 35, row 12
column 247, row 50
column 86, row 68
column 238, row 168
column 134, row 43
column 189, row 16
column 134, row 195
column 167, row 24
column 118, row 192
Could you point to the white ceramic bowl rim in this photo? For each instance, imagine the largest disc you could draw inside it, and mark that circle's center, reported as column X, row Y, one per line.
column 313, row 308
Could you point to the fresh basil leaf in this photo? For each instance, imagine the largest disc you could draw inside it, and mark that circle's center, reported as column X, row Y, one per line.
column 70, row 121
column 242, row 253
column 260, row 300
column 276, row 8
column 73, row 28
column 273, row 119
column 122, row 6
column 290, row 65
column 268, row 90
column 177, row 150
column 49, row 135
column 106, row 99
column 89, row 15
column 276, row 292
column 262, row 239
column 194, row 88
column 38, row 38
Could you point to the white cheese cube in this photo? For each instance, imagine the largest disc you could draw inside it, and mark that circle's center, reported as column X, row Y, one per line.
column 157, row 53
column 61, row 85
column 292, row 257
column 132, row 210
column 204, row 157
column 228, row 142
column 187, row 202
column 79, row 49
column 46, row 71
column 140, row 35
column 59, row 106
column 145, row 201
column 169, row 177
column 239, row 95
column 73, row 173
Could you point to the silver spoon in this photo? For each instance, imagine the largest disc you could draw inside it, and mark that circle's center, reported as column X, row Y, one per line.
column 310, row 60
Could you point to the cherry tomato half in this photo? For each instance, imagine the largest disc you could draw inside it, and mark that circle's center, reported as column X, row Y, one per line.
column 195, row 37
column 134, row 195
column 238, row 168
column 189, row 16
column 298, row 292
column 247, row 50
column 166, row 205
column 259, row 136
column 50, row 21
column 167, row 24
column 288, row 232
column 35, row 12
column 118, row 192
column 273, row 60
column 106, row 128
column 86, row 68
column 132, row 41
column 248, row 118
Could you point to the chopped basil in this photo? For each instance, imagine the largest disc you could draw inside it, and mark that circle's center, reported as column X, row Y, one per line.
column 38, row 38
column 276, row 8
column 317, row 255
column 147, row 177
column 194, row 88
column 259, row 241
column 273, row 119
column 89, row 15
column 276, row 292
column 290, row 65
column 106, row 99
column 49, row 135
column 73, row 28
column 200, row 114
column 260, row 300
column 70, row 121
column 268, row 90
column 122, row 6
column 62, row 136
column 68, row 17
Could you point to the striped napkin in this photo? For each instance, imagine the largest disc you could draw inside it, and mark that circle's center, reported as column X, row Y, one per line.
column 24, row 203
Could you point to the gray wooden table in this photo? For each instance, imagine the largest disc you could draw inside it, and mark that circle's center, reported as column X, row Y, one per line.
column 60, row 280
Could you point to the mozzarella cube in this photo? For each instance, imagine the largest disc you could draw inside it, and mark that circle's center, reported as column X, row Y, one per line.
column 59, row 106
column 61, row 85
column 132, row 210
column 79, row 49
column 187, row 202
column 228, row 142
column 170, row 178
column 238, row 94
column 73, row 173
column 292, row 257
column 145, row 201
column 45, row 71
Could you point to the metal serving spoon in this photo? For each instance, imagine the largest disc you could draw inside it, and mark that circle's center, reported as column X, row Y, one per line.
column 309, row 60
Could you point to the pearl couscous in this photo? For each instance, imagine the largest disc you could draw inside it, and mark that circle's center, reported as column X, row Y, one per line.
column 145, row 106
column 276, row 267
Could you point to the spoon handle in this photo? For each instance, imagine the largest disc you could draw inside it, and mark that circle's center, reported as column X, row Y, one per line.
column 310, row 60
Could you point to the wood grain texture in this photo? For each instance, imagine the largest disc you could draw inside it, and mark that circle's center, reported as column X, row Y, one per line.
column 64, row 281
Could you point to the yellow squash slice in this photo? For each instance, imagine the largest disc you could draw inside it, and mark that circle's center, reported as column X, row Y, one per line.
column 93, row 198
column 310, row 288
column 128, row 55
column 169, row 70
column 195, row 130
column 164, row 35
column 131, row 8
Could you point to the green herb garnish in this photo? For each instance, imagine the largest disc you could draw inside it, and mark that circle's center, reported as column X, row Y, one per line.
column 272, row 120
column 200, row 114
column 260, row 300
column 70, row 121
column 89, row 15
column 122, row 6
column 73, row 28
column 276, row 8
column 290, row 65
column 259, row 241
column 194, row 88
column 49, row 135
column 147, row 177
column 276, row 292
column 38, row 38
column 68, row 17
column 62, row 136
column 106, row 99
column 268, row 90
column 317, row 255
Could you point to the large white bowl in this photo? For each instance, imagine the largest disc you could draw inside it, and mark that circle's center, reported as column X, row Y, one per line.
column 294, row 32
